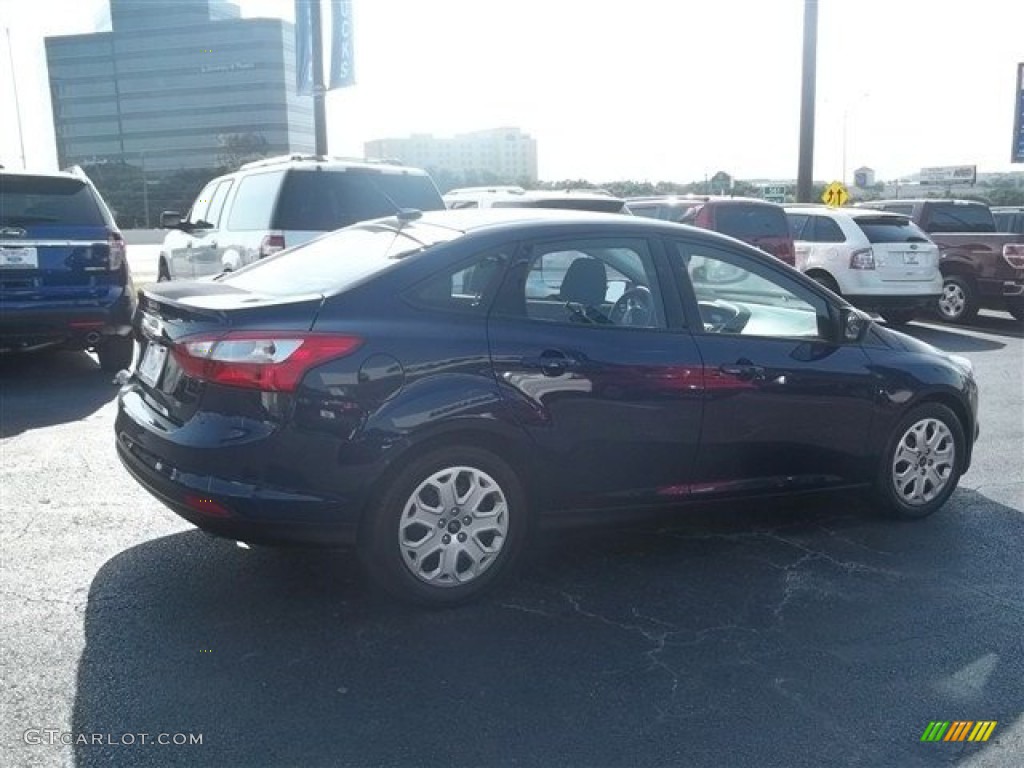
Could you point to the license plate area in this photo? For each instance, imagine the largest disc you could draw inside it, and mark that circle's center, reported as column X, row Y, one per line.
column 152, row 366
column 18, row 258
column 911, row 258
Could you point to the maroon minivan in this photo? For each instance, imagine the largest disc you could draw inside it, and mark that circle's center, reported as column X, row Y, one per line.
column 753, row 221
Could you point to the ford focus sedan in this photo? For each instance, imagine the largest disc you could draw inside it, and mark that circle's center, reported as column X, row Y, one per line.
column 424, row 389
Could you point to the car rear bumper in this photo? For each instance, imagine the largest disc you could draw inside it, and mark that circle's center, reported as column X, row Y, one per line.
column 25, row 325
column 234, row 510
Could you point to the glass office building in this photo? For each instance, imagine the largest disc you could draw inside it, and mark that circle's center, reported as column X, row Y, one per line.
column 177, row 84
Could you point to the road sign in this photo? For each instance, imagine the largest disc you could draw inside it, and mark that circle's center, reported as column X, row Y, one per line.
column 774, row 193
column 835, row 195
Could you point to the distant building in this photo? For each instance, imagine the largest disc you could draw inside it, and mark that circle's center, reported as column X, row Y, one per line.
column 864, row 177
column 508, row 153
column 177, row 84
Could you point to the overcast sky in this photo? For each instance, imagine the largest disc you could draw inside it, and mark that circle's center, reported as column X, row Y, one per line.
column 647, row 90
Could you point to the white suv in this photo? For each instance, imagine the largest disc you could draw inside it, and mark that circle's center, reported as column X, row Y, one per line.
column 881, row 262
column 281, row 202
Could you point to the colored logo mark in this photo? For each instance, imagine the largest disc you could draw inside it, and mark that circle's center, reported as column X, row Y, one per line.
column 958, row 730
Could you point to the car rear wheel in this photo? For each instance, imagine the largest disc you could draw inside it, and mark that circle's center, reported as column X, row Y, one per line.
column 898, row 316
column 115, row 353
column 447, row 527
column 958, row 302
column 827, row 281
column 922, row 462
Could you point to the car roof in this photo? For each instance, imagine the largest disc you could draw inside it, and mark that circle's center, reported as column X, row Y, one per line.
column 699, row 199
column 321, row 162
column 72, row 173
column 477, row 219
column 853, row 213
column 916, row 200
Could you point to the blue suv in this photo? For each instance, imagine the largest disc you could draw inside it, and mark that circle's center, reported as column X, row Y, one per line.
column 64, row 279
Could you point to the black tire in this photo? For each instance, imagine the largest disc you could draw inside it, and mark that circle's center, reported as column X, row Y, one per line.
column 926, row 418
column 827, row 281
column 115, row 353
column 898, row 316
column 396, row 568
column 163, row 274
column 959, row 301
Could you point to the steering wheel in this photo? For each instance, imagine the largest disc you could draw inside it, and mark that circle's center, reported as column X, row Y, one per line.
column 635, row 307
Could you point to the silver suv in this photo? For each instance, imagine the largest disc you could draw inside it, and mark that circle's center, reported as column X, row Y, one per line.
column 281, row 202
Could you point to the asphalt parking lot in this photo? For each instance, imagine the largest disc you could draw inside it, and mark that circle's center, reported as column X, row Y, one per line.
column 796, row 633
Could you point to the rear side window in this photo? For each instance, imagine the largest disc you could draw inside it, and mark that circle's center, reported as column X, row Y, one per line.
column 949, row 217
column 321, row 201
column 466, row 288
column 887, row 229
column 827, row 231
column 332, row 263
column 254, row 201
column 39, row 200
column 747, row 222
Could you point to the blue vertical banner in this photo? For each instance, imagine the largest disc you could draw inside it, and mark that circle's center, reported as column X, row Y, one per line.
column 343, row 72
column 304, row 45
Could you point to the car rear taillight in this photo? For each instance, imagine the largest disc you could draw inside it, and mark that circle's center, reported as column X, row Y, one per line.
column 271, row 244
column 117, row 251
column 1013, row 253
column 265, row 360
column 862, row 259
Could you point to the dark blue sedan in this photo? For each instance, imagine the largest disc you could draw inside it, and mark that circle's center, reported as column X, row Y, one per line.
column 428, row 387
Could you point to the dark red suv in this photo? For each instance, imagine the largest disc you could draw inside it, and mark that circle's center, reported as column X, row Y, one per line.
column 753, row 221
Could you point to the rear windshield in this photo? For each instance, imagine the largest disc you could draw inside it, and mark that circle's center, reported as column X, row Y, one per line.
column 336, row 261
column 890, row 230
column 749, row 222
column 41, row 200
column 949, row 217
column 321, row 201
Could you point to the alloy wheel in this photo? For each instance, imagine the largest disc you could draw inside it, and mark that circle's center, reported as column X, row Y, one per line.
column 952, row 300
column 453, row 526
column 924, row 462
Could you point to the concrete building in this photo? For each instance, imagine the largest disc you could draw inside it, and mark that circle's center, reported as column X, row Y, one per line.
column 508, row 153
column 177, row 84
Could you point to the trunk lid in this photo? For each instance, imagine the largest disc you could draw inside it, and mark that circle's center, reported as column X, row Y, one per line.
column 903, row 252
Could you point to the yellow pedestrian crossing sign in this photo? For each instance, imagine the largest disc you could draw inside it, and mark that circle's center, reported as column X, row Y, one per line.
column 835, row 195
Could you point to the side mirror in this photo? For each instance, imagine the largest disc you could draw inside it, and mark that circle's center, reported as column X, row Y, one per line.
column 853, row 324
column 170, row 220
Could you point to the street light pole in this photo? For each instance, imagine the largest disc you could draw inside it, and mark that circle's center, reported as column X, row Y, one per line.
column 319, row 89
column 805, row 174
column 17, row 103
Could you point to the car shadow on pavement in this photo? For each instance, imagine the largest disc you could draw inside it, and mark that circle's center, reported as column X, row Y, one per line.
column 951, row 338
column 809, row 633
column 45, row 388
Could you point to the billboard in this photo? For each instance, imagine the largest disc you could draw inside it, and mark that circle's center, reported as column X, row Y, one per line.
column 950, row 174
column 1017, row 155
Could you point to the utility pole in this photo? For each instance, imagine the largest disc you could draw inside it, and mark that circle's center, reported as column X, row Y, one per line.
column 319, row 90
column 17, row 103
column 805, row 174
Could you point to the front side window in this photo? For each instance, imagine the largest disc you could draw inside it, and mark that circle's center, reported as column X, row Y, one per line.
column 197, row 216
column 736, row 295
column 217, row 202
column 599, row 283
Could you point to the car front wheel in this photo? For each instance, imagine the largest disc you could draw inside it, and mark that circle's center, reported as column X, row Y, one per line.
column 898, row 316
column 447, row 527
column 922, row 462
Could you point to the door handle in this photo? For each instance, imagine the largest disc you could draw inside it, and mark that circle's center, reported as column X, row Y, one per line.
column 744, row 370
column 550, row 362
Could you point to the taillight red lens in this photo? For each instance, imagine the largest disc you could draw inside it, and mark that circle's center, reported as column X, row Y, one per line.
column 271, row 244
column 1013, row 253
column 117, row 251
column 265, row 360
